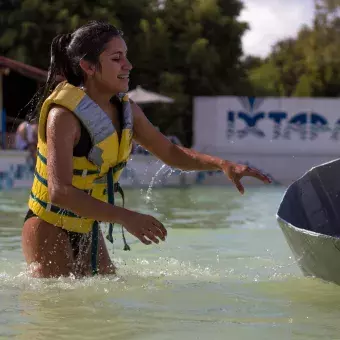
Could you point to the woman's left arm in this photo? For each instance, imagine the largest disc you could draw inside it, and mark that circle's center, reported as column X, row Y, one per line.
column 183, row 158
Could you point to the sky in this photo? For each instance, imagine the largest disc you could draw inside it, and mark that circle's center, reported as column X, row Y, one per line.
column 271, row 21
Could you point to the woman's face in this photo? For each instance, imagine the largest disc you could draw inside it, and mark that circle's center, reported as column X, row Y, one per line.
column 113, row 76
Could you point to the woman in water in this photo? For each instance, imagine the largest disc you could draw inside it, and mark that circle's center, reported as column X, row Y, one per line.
column 86, row 127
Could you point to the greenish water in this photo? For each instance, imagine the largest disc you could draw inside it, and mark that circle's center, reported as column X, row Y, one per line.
column 225, row 272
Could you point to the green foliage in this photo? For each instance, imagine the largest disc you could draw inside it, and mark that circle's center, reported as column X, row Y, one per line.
column 181, row 48
column 308, row 65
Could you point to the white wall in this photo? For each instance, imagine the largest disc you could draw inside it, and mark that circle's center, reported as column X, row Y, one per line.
column 15, row 170
column 234, row 125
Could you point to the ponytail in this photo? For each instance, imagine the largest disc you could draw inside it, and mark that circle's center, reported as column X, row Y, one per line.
column 60, row 67
column 87, row 42
column 61, row 63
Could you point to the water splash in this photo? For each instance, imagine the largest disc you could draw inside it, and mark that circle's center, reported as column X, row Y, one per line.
column 149, row 191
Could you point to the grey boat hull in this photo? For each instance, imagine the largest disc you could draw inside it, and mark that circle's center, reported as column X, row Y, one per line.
column 309, row 217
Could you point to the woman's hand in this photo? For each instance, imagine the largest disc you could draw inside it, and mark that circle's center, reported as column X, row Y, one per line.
column 145, row 227
column 235, row 172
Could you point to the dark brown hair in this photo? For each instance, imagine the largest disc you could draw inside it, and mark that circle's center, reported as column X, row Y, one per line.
column 87, row 42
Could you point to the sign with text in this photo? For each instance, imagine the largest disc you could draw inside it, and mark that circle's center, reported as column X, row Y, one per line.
column 268, row 125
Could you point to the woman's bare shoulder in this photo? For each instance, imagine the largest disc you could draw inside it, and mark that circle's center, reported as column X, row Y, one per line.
column 62, row 122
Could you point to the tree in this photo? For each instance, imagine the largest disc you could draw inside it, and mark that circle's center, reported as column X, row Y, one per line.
column 308, row 65
column 182, row 48
column 191, row 48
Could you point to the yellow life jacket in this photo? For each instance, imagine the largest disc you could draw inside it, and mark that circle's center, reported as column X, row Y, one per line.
column 107, row 156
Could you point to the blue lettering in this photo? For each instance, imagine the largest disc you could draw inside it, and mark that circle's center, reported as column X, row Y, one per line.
column 297, row 124
column 317, row 119
column 231, row 124
column 300, row 119
column 305, row 125
column 251, row 122
column 318, row 124
column 277, row 117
